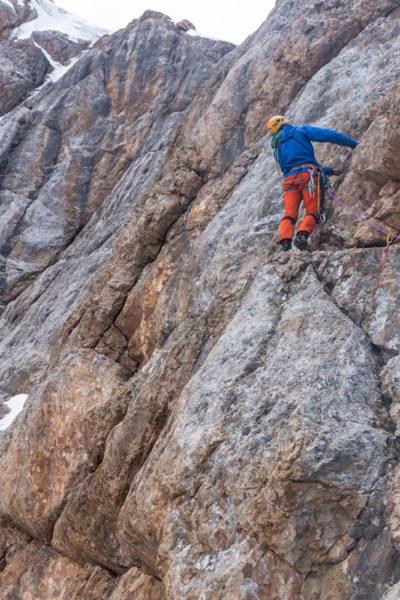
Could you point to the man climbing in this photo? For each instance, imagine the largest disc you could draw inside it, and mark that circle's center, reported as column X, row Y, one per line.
column 295, row 156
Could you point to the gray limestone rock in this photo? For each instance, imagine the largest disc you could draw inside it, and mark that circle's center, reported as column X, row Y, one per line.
column 23, row 68
column 60, row 47
column 206, row 417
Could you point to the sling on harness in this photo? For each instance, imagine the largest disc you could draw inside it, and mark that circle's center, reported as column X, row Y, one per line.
column 323, row 185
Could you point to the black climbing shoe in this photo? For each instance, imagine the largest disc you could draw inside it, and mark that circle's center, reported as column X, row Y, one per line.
column 300, row 241
column 286, row 245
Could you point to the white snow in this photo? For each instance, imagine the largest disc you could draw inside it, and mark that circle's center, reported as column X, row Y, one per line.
column 59, row 70
column 15, row 404
column 52, row 17
column 195, row 33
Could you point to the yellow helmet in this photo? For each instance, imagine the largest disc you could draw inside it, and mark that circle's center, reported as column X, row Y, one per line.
column 276, row 123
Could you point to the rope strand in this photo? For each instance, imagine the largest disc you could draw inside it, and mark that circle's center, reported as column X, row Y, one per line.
column 363, row 218
column 390, row 237
column 371, row 300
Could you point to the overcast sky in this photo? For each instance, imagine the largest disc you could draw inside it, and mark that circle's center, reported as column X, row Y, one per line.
column 222, row 19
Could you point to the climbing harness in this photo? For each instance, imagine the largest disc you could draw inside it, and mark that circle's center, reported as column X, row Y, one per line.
column 371, row 301
column 390, row 237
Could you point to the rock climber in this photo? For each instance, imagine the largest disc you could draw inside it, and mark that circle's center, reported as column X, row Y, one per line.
column 295, row 156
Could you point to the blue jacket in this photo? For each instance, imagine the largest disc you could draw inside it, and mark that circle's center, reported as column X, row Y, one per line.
column 295, row 147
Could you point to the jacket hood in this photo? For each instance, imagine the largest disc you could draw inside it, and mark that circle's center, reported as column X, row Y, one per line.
column 288, row 132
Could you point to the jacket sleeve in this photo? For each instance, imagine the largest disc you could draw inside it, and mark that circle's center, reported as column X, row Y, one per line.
column 317, row 134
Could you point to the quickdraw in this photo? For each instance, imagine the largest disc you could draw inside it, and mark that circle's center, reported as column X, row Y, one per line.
column 324, row 186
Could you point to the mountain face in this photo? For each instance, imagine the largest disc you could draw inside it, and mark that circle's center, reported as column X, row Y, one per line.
column 205, row 418
column 33, row 53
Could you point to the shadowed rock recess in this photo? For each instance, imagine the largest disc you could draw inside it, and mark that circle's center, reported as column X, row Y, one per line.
column 206, row 420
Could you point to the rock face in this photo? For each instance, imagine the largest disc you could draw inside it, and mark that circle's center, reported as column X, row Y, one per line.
column 14, row 13
column 60, row 47
column 23, row 68
column 32, row 52
column 206, row 419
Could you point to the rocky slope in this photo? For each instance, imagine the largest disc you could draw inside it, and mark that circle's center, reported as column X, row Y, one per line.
column 205, row 419
column 41, row 42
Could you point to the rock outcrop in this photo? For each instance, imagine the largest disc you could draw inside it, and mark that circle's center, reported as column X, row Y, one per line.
column 33, row 52
column 206, row 419
column 23, row 68
column 60, row 47
column 13, row 13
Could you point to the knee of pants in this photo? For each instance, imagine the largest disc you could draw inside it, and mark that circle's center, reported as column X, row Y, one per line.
column 292, row 204
column 311, row 201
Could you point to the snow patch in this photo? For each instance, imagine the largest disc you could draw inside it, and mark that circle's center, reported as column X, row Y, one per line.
column 59, row 70
column 15, row 404
column 194, row 33
column 52, row 17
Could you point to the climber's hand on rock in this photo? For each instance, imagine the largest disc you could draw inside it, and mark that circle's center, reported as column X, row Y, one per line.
column 337, row 171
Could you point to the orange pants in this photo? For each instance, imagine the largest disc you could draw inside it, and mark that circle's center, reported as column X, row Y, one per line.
column 296, row 189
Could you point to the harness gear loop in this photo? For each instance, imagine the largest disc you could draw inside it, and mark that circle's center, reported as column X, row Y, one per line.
column 319, row 191
column 321, row 185
column 324, row 186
